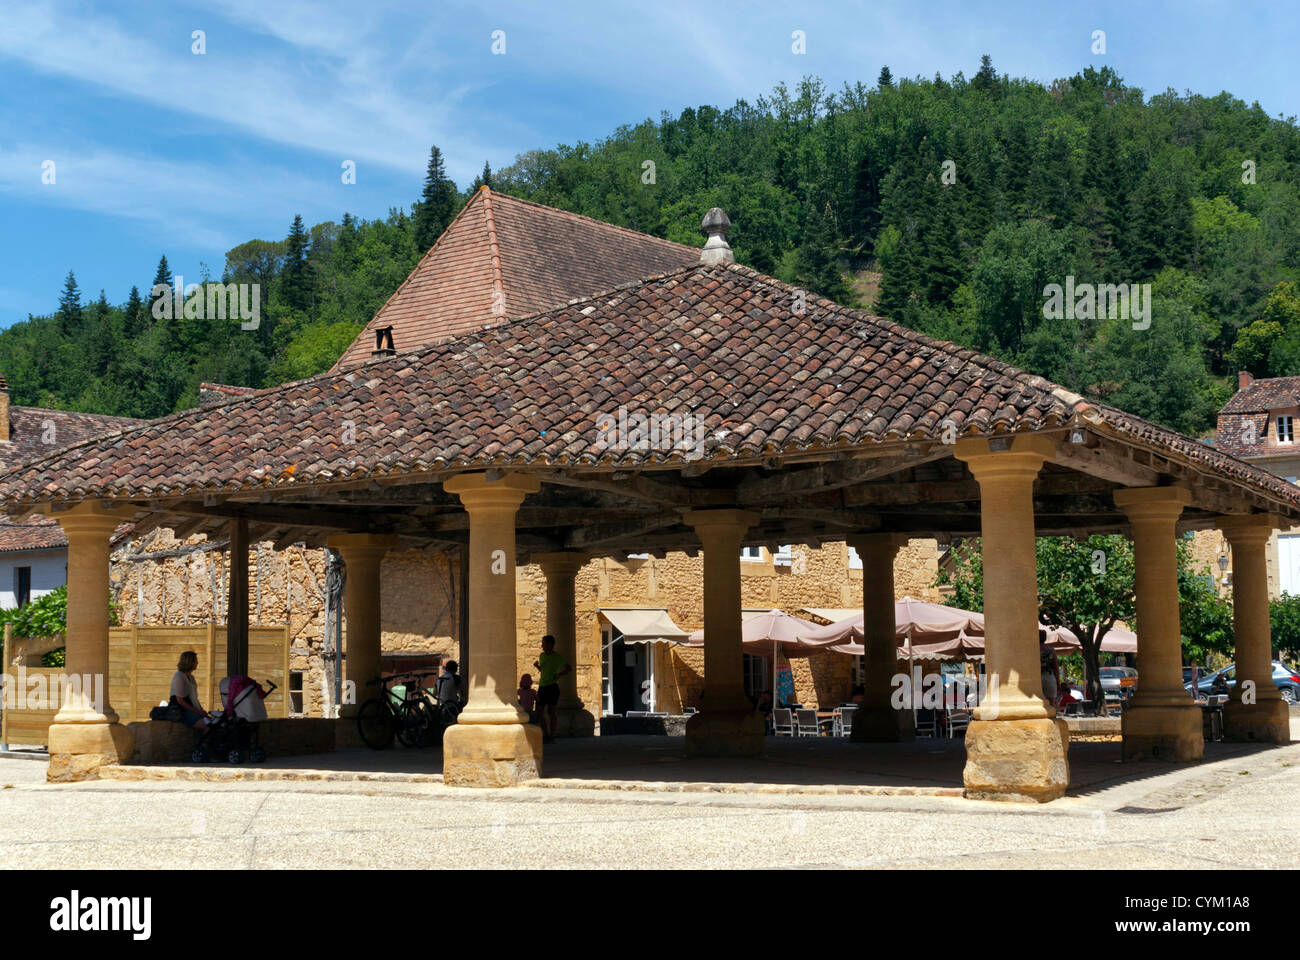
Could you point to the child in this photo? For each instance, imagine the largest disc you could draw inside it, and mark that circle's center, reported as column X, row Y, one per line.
column 527, row 696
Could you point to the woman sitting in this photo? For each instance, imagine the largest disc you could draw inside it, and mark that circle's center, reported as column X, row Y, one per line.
column 185, row 692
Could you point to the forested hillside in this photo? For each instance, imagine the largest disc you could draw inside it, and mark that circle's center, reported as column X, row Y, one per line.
column 969, row 197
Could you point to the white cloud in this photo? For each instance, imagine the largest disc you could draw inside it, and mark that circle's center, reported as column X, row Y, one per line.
column 326, row 84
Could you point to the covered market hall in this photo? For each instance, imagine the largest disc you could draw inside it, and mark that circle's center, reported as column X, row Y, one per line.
column 787, row 419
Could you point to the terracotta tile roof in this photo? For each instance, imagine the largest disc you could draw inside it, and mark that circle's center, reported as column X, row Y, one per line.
column 34, row 433
column 1274, row 393
column 34, row 533
column 503, row 258
column 719, row 343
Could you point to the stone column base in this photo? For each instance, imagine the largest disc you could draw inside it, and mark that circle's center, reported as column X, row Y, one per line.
column 1163, row 733
column 729, row 734
column 491, row 754
column 1017, row 760
column 882, row 725
column 1268, row 721
column 574, row 722
column 78, row 750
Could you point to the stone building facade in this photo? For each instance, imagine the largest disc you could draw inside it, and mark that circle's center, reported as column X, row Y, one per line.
column 420, row 610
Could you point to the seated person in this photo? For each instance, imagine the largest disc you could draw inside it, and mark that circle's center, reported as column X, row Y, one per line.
column 185, row 692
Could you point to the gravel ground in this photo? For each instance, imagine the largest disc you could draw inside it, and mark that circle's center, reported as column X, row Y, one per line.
column 1236, row 812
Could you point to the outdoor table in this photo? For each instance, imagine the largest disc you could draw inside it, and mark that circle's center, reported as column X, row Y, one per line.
column 826, row 717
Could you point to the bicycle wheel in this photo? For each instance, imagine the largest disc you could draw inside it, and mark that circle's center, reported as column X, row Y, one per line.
column 413, row 723
column 375, row 724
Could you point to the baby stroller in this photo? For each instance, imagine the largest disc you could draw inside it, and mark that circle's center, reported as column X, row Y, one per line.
column 232, row 734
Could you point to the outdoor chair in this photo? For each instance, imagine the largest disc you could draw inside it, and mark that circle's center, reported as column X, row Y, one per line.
column 844, row 721
column 957, row 720
column 782, row 723
column 636, row 713
column 806, row 723
column 925, row 723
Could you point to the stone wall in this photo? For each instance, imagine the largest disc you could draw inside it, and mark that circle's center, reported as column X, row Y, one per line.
column 286, row 586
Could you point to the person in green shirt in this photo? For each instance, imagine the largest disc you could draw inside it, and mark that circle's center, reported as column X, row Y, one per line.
column 551, row 666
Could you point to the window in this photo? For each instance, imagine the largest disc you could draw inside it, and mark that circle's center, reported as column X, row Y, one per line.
column 22, row 585
column 758, row 676
column 751, row 553
column 295, row 693
column 784, row 556
column 855, row 562
column 1285, row 430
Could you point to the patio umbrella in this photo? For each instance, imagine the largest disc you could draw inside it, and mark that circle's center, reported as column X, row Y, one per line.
column 916, row 622
column 765, row 633
column 1116, row 640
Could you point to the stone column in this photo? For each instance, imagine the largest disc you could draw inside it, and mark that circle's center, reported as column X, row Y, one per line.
column 362, row 554
column 1261, row 715
column 561, row 569
column 1161, row 722
column 727, row 724
column 1016, row 748
column 86, row 734
column 876, row 720
column 492, row 745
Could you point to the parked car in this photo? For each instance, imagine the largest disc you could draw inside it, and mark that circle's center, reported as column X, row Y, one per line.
column 1118, row 683
column 1285, row 679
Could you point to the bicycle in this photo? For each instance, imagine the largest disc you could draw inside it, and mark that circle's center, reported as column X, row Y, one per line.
column 385, row 716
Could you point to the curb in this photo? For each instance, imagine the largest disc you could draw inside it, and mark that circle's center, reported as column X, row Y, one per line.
column 138, row 774
column 142, row 774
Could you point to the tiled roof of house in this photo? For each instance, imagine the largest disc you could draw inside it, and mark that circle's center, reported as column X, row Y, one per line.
column 1262, row 396
column 721, row 343
column 502, row 258
column 34, row 433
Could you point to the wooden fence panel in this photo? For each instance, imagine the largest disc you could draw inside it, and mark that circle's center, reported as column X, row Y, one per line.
column 141, row 663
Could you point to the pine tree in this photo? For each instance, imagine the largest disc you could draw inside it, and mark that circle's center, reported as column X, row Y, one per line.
column 484, row 179
column 133, row 314
column 817, row 262
column 164, row 272
column 437, row 203
column 69, row 313
column 886, row 79
column 986, row 78
column 295, row 284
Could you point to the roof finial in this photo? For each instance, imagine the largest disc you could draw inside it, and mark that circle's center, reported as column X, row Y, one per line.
column 716, row 249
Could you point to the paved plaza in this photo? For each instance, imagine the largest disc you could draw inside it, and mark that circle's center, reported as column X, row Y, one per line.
column 811, row 804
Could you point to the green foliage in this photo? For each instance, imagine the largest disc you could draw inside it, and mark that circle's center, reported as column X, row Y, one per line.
column 1284, row 623
column 969, row 195
column 47, row 615
column 55, row 658
column 1089, row 586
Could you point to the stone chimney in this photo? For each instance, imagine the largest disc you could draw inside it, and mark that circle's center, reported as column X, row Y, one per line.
column 4, row 410
column 1244, row 379
column 383, row 343
column 716, row 249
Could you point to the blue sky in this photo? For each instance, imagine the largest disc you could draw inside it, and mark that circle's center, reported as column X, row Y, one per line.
column 159, row 150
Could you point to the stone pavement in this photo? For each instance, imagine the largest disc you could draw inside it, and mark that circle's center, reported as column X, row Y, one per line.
column 1237, row 809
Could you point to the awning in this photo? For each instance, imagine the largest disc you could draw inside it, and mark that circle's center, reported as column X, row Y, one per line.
column 641, row 625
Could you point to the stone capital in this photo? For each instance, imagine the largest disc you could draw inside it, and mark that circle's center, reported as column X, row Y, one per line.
column 1248, row 528
column 87, row 520
column 721, row 522
column 1152, row 503
column 560, row 563
column 1022, row 457
column 477, row 492
column 360, row 544
column 890, row 543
